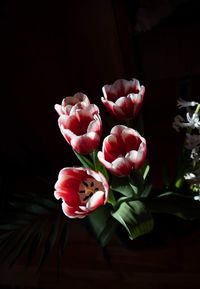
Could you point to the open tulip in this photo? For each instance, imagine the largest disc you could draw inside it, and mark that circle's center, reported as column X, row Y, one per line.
column 70, row 101
column 123, row 150
column 82, row 129
column 123, row 99
column 82, row 191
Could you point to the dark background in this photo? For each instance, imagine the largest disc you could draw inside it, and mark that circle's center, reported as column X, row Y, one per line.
column 52, row 49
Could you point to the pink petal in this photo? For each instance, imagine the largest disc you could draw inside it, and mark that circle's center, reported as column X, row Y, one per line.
column 85, row 144
column 95, row 201
column 70, row 212
column 104, row 162
column 121, row 167
column 58, row 108
column 137, row 157
column 111, row 149
column 109, row 92
column 95, row 125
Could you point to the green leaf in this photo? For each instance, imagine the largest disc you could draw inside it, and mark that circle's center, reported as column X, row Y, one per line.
column 98, row 166
column 182, row 206
column 146, row 191
column 144, row 171
column 21, row 245
column 9, row 226
column 47, row 203
column 134, row 216
column 37, row 239
column 35, row 242
column 31, row 208
column 102, row 224
column 84, row 160
column 123, row 186
column 63, row 237
column 50, row 241
column 111, row 198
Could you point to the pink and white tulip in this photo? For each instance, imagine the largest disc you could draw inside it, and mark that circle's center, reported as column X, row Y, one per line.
column 82, row 129
column 123, row 99
column 69, row 102
column 123, row 150
column 82, row 191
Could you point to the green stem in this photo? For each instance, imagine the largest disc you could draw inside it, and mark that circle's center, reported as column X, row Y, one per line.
column 94, row 159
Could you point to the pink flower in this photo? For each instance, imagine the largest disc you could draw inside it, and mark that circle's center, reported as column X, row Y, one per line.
column 69, row 102
column 123, row 99
column 82, row 129
column 123, row 150
column 81, row 190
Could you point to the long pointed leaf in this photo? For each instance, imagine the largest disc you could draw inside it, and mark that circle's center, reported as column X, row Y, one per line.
column 50, row 242
column 102, row 224
column 182, row 206
column 135, row 218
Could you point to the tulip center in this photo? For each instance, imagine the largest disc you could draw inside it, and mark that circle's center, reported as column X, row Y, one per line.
column 88, row 187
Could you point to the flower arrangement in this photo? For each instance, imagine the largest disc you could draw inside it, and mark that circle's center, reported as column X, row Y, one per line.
column 111, row 190
column 112, row 187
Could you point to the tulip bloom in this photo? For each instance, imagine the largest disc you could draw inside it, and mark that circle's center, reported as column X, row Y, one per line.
column 70, row 101
column 82, row 129
column 123, row 151
column 82, row 191
column 123, row 99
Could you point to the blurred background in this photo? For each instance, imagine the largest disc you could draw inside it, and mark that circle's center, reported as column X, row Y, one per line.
column 53, row 49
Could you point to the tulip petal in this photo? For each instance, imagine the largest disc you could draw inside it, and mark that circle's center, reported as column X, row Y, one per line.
column 121, row 167
column 85, row 144
column 70, row 212
column 95, row 201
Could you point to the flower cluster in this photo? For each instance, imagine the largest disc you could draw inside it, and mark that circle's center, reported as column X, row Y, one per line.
column 112, row 187
column 84, row 189
column 191, row 123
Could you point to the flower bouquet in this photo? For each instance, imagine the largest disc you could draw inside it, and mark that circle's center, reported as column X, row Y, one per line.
column 111, row 190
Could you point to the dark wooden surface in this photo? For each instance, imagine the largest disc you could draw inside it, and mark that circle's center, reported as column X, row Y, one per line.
column 172, row 265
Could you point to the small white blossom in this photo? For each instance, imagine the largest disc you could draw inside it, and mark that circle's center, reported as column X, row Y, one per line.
column 193, row 121
column 195, row 155
column 189, row 176
column 197, row 198
column 183, row 103
column 193, row 177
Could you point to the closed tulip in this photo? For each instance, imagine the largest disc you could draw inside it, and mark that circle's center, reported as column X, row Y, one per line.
column 123, row 150
column 82, row 129
column 123, row 99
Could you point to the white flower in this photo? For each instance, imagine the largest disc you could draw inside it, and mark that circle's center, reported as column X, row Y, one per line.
column 193, row 177
column 183, row 103
column 197, row 198
column 189, row 176
column 195, row 155
column 193, row 121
